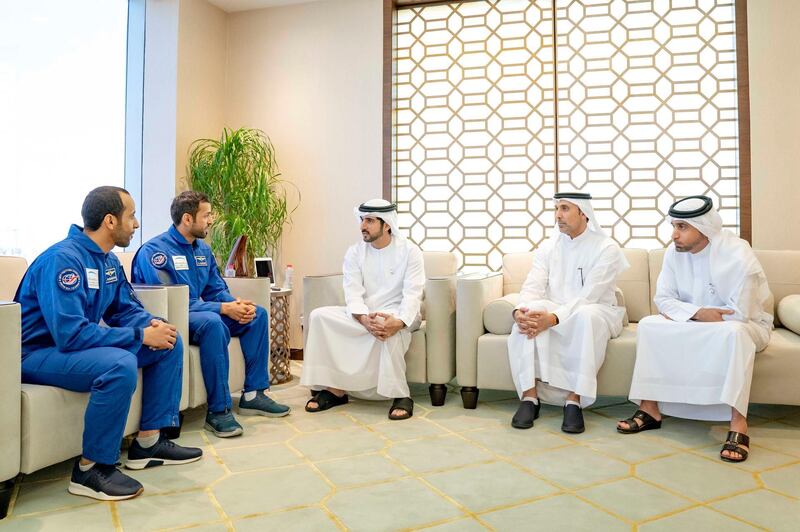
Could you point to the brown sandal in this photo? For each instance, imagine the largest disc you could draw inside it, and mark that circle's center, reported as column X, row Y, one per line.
column 648, row 423
column 734, row 444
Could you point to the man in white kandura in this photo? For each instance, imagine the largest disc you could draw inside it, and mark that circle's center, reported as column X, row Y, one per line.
column 695, row 360
column 361, row 348
column 567, row 313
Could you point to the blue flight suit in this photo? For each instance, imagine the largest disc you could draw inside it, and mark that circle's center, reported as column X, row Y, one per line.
column 65, row 293
column 169, row 259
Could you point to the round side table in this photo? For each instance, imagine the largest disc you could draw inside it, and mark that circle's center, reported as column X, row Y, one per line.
column 279, row 349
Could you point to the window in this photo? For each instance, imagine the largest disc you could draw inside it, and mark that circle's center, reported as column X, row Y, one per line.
column 62, row 103
column 498, row 105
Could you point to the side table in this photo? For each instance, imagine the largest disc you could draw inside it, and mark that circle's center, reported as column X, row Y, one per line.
column 279, row 348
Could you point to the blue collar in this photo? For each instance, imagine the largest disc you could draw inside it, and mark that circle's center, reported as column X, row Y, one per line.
column 76, row 233
column 178, row 237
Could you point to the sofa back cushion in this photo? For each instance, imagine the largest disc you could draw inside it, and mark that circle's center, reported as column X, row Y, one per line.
column 515, row 270
column 783, row 274
column 12, row 270
column 635, row 284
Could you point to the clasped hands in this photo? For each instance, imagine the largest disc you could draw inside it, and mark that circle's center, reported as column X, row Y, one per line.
column 532, row 322
column 160, row 335
column 242, row 311
column 380, row 324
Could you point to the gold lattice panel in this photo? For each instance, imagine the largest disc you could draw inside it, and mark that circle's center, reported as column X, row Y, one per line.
column 474, row 126
column 646, row 113
column 647, row 108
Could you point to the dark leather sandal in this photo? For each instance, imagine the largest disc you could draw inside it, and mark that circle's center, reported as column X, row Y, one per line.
column 402, row 403
column 326, row 399
column 734, row 444
column 648, row 423
column 527, row 412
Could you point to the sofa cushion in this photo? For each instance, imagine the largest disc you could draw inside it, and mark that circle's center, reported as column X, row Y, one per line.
column 497, row 316
column 776, row 369
column 789, row 312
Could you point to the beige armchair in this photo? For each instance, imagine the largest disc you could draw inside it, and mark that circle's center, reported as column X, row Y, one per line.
column 9, row 397
column 431, row 355
column 51, row 414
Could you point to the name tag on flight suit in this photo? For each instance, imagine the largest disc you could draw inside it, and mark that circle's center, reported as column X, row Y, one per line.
column 180, row 262
column 92, row 278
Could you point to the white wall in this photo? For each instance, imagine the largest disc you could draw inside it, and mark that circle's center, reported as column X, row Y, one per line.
column 775, row 122
column 310, row 76
column 202, row 44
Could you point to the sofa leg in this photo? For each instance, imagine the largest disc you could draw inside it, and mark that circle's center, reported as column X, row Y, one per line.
column 469, row 396
column 438, row 393
column 173, row 433
column 6, row 489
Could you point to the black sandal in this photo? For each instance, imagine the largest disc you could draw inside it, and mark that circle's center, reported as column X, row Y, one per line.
column 326, row 399
column 733, row 444
column 648, row 423
column 402, row 403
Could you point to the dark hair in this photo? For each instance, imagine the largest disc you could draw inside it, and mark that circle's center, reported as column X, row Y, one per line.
column 187, row 202
column 99, row 202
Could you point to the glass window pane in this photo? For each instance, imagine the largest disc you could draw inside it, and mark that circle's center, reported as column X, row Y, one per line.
column 62, row 109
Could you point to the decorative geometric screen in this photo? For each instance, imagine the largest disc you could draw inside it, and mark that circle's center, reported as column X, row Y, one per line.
column 646, row 112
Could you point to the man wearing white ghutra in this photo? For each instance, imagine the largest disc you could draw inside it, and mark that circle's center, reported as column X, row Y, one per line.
column 566, row 314
column 695, row 360
column 360, row 348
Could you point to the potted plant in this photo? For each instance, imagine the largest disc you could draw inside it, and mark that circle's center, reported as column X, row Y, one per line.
column 239, row 174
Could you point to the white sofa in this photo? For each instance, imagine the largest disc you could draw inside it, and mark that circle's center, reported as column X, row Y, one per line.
column 431, row 355
column 485, row 304
column 49, row 414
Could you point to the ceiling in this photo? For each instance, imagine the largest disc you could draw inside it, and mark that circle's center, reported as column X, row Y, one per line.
column 231, row 6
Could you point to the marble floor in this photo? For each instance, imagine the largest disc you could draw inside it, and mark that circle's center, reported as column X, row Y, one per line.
column 445, row 469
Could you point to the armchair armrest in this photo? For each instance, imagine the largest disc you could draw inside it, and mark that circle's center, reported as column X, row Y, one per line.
column 154, row 299
column 320, row 291
column 10, row 394
column 177, row 313
column 440, row 328
column 256, row 290
column 473, row 293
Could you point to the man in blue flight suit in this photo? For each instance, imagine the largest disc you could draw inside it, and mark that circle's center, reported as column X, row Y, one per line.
column 65, row 293
column 180, row 256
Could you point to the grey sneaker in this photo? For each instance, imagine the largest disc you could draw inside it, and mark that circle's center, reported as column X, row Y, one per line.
column 104, row 483
column 261, row 405
column 223, row 424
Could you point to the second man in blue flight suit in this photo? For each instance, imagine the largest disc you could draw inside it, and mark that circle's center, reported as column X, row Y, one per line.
column 180, row 256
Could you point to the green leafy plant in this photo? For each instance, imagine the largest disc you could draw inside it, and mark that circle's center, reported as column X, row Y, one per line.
column 248, row 197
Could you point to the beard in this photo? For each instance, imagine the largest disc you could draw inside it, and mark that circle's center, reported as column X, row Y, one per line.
column 122, row 238
column 370, row 237
column 198, row 232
